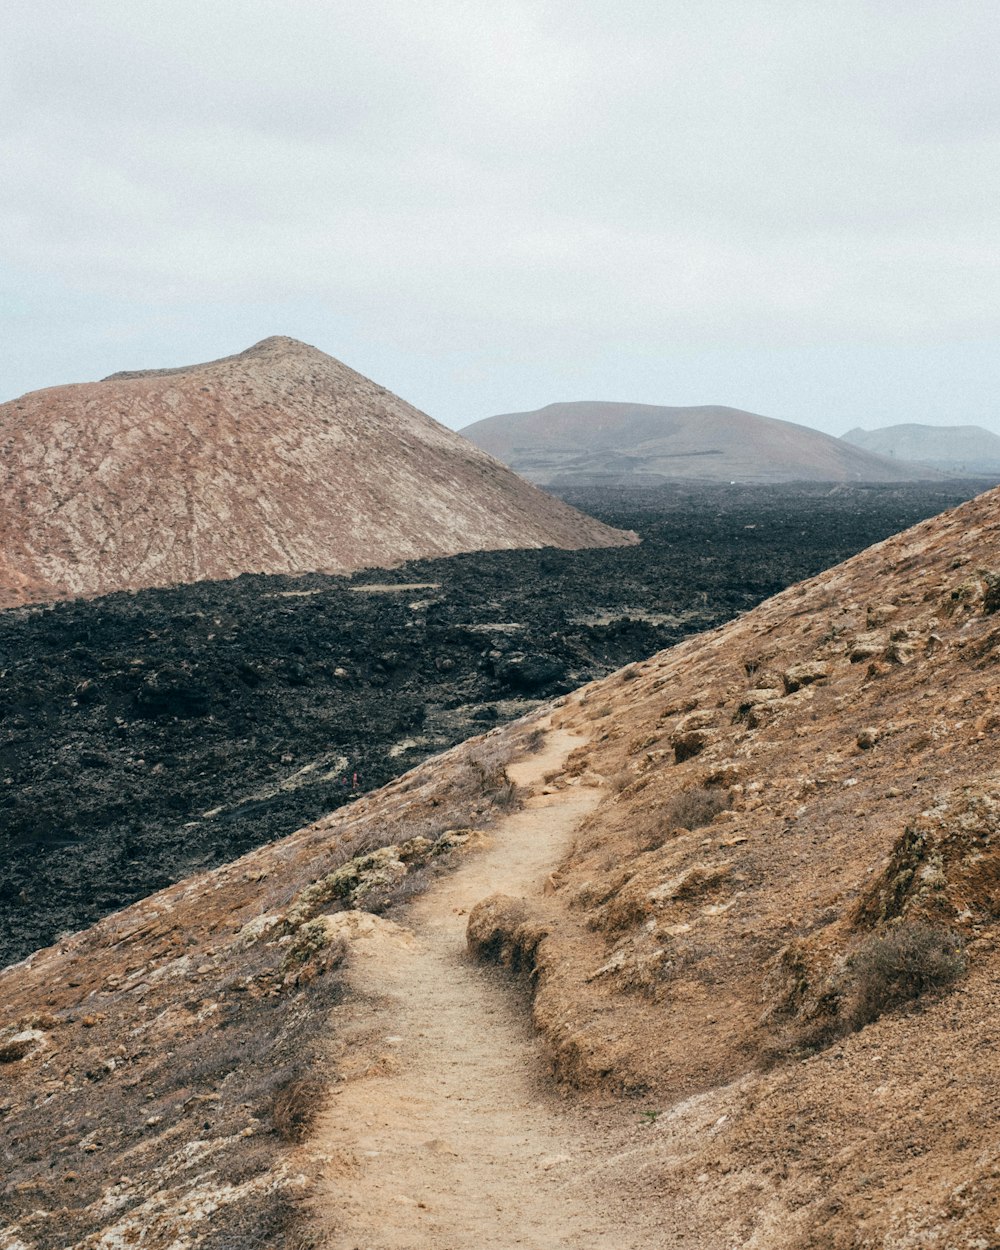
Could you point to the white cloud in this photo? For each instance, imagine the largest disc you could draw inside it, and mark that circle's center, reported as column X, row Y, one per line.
column 500, row 187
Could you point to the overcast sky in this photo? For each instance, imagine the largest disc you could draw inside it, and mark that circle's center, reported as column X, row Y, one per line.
column 785, row 206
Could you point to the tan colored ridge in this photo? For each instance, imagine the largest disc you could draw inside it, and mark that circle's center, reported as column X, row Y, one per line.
column 277, row 460
column 570, row 444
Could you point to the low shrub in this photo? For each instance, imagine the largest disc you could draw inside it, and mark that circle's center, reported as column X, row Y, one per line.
column 622, row 780
column 533, row 741
column 695, row 807
column 296, row 1102
column 487, row 772
column 895, row 968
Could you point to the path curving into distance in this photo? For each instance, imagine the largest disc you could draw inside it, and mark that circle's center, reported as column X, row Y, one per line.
column 448, row 1134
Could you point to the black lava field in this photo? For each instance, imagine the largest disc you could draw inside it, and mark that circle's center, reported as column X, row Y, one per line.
column 148, row 736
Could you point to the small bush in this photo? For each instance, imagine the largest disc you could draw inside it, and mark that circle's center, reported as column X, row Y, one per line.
column 908, row 961
column 486, row 767
column 296, row 1103
column 622, row 780
column 694, row 807
column 533, row 741
column 506, row 797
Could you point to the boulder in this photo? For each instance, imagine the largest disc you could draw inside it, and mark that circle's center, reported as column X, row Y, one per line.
column 865, row 647
column 806, row 674
column 20, row 1045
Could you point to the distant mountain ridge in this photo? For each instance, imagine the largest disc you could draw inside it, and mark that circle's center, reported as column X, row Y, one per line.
column 643, row 444
column 965, row 449
column 277, row 460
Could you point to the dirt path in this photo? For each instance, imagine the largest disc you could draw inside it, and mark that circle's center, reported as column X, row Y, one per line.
column 449, row 1138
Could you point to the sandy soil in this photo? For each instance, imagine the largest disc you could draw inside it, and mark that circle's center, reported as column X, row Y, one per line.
column 449, row 1135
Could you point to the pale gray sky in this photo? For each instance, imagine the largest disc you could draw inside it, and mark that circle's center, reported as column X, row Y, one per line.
column 787, row 207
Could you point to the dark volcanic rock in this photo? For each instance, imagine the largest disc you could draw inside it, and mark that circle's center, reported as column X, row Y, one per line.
column 531, row 673
column 145, row 736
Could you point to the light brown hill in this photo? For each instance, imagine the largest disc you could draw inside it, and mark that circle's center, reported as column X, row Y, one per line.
column 278, row 460
column 698, row 986
column 611, row 443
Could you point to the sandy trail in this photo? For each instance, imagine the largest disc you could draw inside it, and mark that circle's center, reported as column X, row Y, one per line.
column 449, row 1136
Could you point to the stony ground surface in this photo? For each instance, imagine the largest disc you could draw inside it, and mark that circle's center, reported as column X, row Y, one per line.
column 158, row 1071
column 786, row 798
column 146, row 736
column 278, row 460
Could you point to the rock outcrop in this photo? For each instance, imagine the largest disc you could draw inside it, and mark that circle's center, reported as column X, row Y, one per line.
column 278, row 460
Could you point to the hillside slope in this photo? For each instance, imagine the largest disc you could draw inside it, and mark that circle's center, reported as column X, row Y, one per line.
column 768, row 804
column 834, row 754
column 278, row 460
column 965, row 449
column 610, row 443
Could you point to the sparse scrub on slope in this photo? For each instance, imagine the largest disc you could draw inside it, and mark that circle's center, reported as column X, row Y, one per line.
column 812, row 1003
column 897, row 967
column 487, row 776
column 694, row 807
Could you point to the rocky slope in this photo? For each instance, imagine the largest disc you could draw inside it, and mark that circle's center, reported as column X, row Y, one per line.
column 611, row 443
column 802, row 830
column 158, row 1070
column 277, row 460
column 780, row 808
column 965, row 449
column 148, row 735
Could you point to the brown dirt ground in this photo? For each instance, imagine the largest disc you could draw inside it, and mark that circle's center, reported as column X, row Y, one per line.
column 446, row 1132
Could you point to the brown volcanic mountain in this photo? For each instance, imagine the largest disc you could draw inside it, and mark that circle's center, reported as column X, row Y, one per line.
column 607, row 443
column 277, row 460
column 754, row 837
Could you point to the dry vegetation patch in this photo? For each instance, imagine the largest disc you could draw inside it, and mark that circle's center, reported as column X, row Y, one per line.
column 887, row 970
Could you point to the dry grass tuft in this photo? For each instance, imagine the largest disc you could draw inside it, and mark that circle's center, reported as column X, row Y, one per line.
column 295, row 1105
column 899, row 967
column 689, row 809
column 487, row 776
column 695, row 807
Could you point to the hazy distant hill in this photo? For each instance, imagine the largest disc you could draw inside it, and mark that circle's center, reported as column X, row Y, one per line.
column 277, row 460
column 590, row 442
column 954, row 448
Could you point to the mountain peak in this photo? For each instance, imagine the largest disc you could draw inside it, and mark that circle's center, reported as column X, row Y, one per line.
column 275, row 348
column 277, row 460
column 279, row 345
